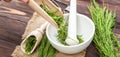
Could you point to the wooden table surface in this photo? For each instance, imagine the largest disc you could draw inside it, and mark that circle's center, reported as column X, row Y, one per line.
column 15, row 15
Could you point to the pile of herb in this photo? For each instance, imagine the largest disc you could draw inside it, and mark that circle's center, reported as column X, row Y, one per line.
column 62, row 24
column 104, row 38
column 79, row 38
column 30, row 42
column 45, row 49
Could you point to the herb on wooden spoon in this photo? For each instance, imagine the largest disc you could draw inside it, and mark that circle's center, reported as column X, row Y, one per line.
column 30, row 42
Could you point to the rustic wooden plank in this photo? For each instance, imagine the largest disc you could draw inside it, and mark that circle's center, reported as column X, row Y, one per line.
column 113, row 2
column 15, row 15
column 6, row 48
column 7, row 45
column 13, row 20
column 15, row 4
column 12, row 28
column 91, row 51
column 83, row 7
column 5, row 52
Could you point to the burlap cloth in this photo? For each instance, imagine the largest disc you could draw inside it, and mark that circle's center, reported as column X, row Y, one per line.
column 35, row 22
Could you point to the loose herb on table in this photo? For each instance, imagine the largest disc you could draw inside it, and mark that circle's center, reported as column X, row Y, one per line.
column 45, row 49
column 104, row 38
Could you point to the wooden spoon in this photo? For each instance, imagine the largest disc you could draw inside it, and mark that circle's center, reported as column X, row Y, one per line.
column 38, row 35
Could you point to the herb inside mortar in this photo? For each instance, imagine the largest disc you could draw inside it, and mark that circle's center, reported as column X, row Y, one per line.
column 79, row 38
column 30, row 42
column 62, row 24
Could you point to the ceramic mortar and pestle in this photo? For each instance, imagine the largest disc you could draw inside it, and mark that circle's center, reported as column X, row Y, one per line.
column 78, row 24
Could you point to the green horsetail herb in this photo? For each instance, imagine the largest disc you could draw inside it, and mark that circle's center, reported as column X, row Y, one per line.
column 51, row 52
column 42, row 46
column 45, row 49
column 104, row 38
column 30, row 42
column 63, row 26
column 80, row 39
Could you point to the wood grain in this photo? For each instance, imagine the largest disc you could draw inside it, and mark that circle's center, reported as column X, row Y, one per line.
column 15, row 15
column 13, row 20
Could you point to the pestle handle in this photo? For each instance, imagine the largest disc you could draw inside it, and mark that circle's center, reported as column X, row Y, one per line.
column 72, row 33
column 72, row 20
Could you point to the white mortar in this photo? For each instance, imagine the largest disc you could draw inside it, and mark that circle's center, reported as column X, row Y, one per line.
column 85, row 27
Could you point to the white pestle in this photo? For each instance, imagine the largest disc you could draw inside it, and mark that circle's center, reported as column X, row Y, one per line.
column 72, row 25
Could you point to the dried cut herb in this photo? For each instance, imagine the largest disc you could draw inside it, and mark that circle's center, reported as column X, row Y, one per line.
column 30, row 42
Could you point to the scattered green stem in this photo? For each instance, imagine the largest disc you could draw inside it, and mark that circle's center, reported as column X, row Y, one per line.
column 104, row 38
column 51, row 52
column 42, row 46
column 45, row 49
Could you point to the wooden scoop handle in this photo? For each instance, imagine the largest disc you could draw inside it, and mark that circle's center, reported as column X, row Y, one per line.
column 41, row 12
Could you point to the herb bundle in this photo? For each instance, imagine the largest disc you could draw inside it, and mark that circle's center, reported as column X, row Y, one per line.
column 104, row 39
column 45, row 49
column 30, row 42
